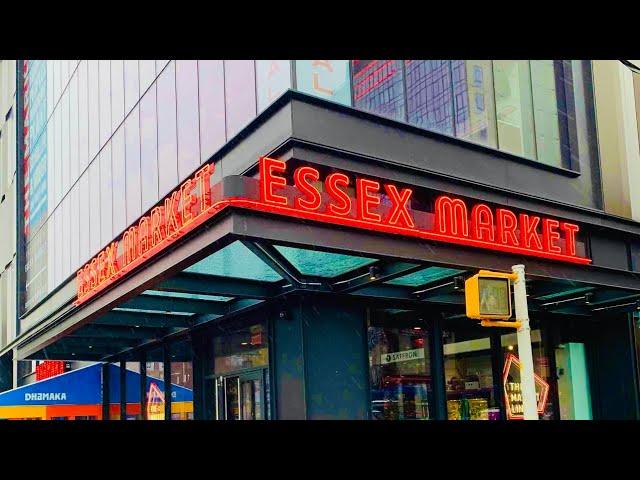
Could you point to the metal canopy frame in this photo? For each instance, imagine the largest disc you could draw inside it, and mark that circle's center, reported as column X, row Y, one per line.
column 128, row 318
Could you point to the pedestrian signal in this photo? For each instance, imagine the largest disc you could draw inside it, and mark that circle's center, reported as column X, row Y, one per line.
column 488, row 295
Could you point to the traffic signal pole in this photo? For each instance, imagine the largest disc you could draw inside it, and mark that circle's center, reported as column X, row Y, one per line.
column 488, row 299
column 527, row 382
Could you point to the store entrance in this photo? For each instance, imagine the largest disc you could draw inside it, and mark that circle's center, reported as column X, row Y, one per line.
column 241, row 397
column 241, row 373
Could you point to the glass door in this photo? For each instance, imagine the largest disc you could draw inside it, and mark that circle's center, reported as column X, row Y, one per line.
column 232, row 398
column 240, row 397
column 251, row 396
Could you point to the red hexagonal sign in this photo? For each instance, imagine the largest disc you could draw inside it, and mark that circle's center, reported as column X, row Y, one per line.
column 513, row 392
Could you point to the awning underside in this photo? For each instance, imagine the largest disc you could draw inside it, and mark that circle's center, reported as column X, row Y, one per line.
column 246, row 274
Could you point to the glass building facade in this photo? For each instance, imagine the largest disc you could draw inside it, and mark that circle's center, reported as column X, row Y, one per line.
column 105, row 140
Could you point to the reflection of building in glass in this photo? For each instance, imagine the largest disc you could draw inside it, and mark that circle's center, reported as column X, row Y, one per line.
column 399, row 369
column 182, row 374
column 377, row 87
column 474, row 101
column 429, row 94
column 450, row 96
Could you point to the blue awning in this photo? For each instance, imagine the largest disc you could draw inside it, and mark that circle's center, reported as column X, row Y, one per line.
column 77, row 387
column 84, row 387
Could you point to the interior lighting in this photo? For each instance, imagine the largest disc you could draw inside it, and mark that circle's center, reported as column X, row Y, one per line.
column 373, row 272
column 588, row 297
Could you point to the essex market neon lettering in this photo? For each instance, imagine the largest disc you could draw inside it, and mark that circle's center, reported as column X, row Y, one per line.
column 340, row 199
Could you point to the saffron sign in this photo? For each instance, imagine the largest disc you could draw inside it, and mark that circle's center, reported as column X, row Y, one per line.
column 375, row 206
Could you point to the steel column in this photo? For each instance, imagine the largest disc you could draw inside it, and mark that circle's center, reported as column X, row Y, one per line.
column 123, row 390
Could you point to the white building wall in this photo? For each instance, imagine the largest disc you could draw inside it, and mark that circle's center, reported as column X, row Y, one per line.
column 616, row 117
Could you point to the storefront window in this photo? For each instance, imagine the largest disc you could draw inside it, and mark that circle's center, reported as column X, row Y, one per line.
column 155, row 385
column 133, row 391
column 399, row 366
column 511, row 377
column 471, row 394
column 181, row 381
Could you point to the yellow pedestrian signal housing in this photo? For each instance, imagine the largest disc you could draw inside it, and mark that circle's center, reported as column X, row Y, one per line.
column 488, row 295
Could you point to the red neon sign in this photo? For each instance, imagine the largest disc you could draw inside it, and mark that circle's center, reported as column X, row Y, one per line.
column 375, row 206
column 49, row 368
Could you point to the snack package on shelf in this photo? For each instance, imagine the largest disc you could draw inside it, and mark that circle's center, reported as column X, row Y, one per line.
column 478, row 409
column 453, row 409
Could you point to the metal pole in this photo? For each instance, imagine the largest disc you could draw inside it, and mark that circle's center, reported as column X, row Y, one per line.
column 143, row 386
column 106, row 384
column 527, row 382
column 123, row 389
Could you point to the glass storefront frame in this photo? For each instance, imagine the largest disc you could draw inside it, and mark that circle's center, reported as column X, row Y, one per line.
column 552, row 333
column 550, row 328
column 204, row 378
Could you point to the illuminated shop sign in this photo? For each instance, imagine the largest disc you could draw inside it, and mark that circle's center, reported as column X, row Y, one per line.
column 50, row 368
column 374, row 206
column 155, row 403
column 513, row 389
column 452, row 220
column 182, row 210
